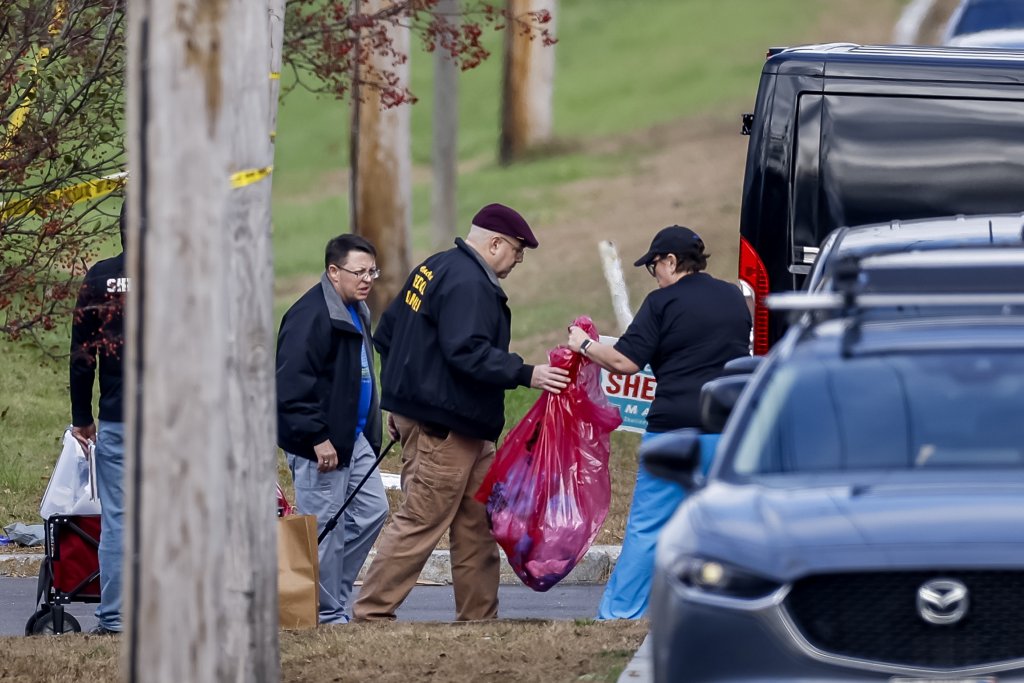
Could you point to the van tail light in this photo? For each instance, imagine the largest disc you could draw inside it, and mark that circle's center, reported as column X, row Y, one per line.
column 755, row 278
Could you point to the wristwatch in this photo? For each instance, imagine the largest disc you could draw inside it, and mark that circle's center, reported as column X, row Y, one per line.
column 586, row 345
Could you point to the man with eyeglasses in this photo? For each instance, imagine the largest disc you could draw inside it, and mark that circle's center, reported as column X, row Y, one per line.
column 445, row 367
column 328, row 414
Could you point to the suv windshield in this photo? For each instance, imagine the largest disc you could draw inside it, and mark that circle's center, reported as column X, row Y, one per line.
column 927, row 410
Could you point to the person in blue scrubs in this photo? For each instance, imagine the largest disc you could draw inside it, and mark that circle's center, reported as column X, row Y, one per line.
column 686, row 330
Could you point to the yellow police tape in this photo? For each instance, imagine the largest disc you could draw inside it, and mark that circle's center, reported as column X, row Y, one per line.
column 250, row 176
column 65, row 195
column 103, row 186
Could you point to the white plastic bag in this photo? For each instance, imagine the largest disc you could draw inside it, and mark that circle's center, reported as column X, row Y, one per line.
column 72, row 487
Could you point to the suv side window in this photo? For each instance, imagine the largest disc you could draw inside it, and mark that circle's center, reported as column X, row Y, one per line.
column 874, row 150
column 887, row 412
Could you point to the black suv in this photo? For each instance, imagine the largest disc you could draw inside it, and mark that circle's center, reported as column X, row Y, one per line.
column 864, row 516
column 848, row 135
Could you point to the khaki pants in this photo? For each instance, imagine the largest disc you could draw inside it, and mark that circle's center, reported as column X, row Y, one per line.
column 439, row 478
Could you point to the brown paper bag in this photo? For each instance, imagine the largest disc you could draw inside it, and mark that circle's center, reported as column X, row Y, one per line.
column 298, row 572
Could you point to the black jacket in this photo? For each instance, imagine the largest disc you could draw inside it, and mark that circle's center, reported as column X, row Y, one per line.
column 318, row 376
column 98, row 330
column 444, row 346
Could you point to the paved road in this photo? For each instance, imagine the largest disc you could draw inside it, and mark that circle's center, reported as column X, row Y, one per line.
column 426, row 603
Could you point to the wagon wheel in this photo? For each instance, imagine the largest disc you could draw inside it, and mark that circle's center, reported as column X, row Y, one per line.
column 30, row 624
column 43, row 625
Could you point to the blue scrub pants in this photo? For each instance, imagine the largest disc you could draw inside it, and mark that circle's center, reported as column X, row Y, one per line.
column 654, row 502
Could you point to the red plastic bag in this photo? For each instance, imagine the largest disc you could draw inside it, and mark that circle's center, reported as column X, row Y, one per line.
column 284, row 508
column 547, row 492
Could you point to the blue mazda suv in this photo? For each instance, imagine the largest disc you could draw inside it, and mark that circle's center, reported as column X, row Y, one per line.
column 864, row 518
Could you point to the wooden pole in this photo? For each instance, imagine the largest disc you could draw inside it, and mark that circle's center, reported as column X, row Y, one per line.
column 251, row 647
column 446, row 126
column 200, row 598
column 382, row 164
column 527, row 85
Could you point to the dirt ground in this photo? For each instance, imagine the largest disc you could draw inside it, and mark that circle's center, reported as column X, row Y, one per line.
column 497, row 652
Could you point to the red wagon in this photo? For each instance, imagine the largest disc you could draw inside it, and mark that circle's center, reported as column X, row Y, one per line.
column 70, row 573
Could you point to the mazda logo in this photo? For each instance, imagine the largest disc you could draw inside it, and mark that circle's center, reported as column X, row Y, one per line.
column 942, row 601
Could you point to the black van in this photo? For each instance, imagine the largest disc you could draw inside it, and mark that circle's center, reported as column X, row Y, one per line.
column 846, row 134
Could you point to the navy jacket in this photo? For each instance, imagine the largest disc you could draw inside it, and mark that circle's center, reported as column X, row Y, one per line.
column 318, row 376
column 98, row 330
column 444, row 346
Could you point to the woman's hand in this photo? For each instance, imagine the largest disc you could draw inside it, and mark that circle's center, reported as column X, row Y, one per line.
column 576, row 337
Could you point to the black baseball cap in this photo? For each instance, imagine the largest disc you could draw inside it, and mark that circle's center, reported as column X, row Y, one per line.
column 675, row 239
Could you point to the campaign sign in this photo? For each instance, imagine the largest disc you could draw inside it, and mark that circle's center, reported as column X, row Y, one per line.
column 631, row 394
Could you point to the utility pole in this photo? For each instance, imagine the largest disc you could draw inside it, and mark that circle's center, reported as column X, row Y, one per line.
column 252, row 648
column 201, row 570
column 381, row 159
column 527, row 85
column 445, row 157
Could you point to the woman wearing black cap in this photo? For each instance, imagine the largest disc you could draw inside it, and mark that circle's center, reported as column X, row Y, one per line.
column 686, row 330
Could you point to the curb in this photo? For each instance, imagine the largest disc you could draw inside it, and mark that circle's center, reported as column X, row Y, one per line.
column 20, row 565
column 640, row 668
column 595, row 567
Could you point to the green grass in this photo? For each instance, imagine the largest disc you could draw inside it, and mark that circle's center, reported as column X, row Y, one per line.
column 622, row 65
column 34, row 411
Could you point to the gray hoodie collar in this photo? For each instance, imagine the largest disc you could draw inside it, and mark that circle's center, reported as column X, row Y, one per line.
column 479, row 259
column 336, row 308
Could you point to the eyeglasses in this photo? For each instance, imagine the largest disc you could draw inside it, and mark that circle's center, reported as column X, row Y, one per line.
column 653, row 266
column 368, row 274
column 520, row 248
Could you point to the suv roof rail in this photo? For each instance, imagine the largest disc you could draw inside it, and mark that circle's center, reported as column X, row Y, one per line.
column 831, row 301
column 853, row 305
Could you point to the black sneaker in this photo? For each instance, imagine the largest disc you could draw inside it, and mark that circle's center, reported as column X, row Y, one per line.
column 103, row 631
